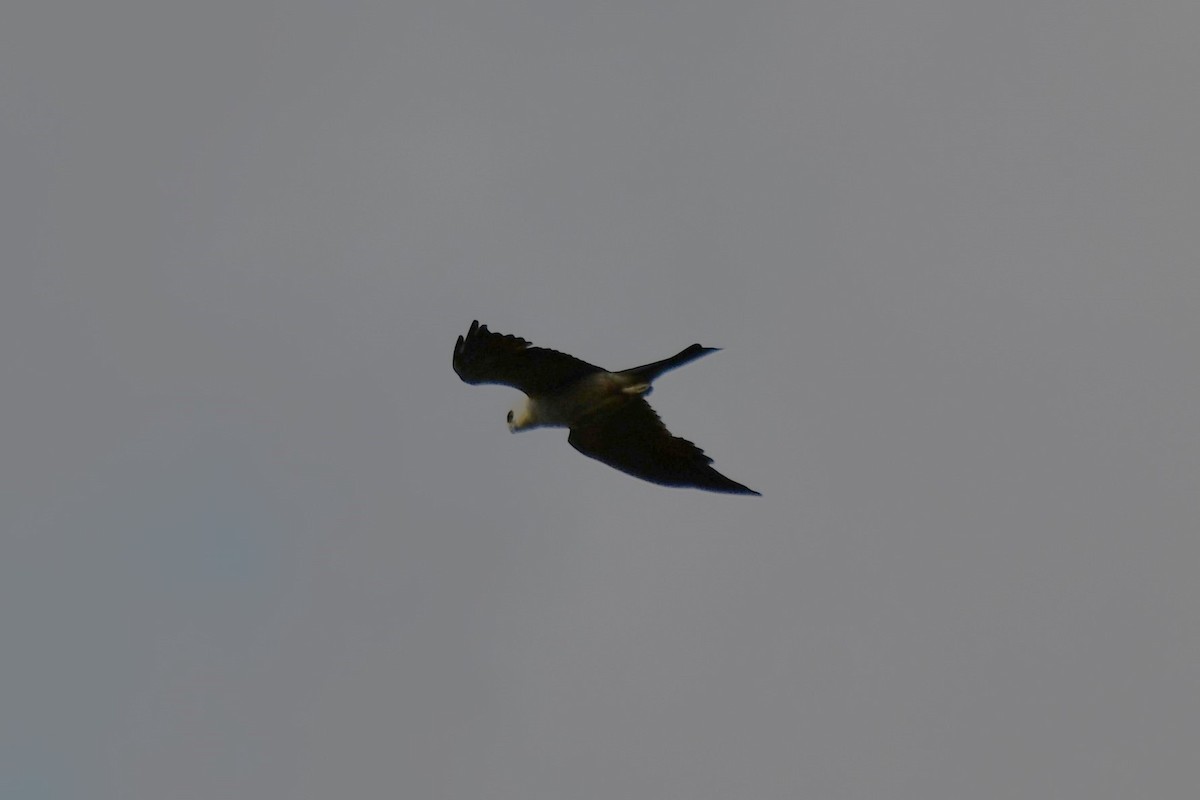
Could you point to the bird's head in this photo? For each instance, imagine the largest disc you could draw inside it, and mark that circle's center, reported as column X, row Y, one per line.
column 521, row 417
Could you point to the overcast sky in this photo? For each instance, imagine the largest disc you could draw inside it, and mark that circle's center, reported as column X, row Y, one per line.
column 259, row 541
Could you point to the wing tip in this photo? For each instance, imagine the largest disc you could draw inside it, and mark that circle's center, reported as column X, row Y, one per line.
column 730, row 486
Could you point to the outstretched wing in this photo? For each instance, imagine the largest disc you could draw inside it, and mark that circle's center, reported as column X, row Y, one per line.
column 486, row 357
column 635, row 441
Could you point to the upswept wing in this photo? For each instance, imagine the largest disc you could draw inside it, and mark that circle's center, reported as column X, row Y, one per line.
column 486, row 357
column 635, row 441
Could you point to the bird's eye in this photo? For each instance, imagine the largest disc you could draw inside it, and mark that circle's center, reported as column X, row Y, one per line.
column 510, row 417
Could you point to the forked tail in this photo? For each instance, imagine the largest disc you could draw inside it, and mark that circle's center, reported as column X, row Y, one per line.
column 647, row 373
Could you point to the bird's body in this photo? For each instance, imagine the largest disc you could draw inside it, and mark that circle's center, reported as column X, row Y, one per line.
column 589, row 395
column 606, row 412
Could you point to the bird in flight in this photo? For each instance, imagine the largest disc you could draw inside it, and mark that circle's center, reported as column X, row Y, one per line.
column 606, row 412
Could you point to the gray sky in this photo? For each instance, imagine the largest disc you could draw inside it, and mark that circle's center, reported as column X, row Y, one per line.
column 258, row 541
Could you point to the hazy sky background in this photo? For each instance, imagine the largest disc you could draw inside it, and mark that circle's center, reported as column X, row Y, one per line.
column 259, row 541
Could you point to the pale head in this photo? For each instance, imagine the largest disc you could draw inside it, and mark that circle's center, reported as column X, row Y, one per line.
column 521, row 416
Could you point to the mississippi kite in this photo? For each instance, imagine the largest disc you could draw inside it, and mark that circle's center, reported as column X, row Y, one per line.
column 606, row 412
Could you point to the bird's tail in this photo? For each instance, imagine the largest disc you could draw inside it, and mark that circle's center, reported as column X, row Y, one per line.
column 648, row 372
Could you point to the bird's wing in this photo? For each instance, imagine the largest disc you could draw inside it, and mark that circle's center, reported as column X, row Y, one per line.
column 635, row 441
column 486, row 357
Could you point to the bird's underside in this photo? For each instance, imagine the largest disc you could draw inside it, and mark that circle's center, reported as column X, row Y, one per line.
column 606, row 412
